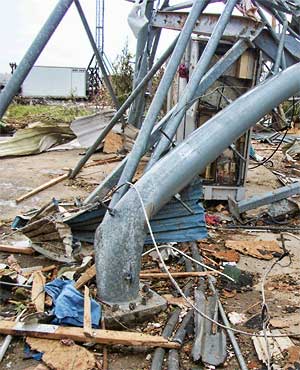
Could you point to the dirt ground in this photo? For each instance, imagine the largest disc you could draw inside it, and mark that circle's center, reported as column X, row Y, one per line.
column 22, row 174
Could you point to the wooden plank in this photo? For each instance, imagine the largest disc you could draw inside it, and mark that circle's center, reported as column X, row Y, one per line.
column 87, row 276
column 110, row 337
column 91, row 273
column 164, row 275
column 38, row 291
column 87, row 321
column 14, row 249
column 42, row 187
column 105, row 352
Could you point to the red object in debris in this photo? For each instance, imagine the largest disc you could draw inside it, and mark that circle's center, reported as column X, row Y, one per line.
column 183, row 71
column 212, row 220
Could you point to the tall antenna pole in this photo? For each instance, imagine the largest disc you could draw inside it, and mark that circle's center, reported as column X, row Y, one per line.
column 99, row 37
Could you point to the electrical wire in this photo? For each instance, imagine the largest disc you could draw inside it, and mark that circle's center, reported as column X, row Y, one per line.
column 270, row 156
column 202, row 314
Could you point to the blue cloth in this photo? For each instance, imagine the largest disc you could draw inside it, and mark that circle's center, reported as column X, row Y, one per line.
column 68, row 304
column 28, row 353
column 252, row 152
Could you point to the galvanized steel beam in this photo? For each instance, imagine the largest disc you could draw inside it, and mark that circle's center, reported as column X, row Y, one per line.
column 158, row 100
column 236, row 208
column 120, row 238
column 236, row 28
column 34, row 51
column 191, row 87
column 123, row 108
column 209, row 78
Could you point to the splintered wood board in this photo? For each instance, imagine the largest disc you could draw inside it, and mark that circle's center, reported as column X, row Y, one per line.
column 77, row 334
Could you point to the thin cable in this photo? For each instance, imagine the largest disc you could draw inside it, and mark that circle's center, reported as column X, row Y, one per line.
column 180, row 290
column 275, row 150
column 190, row 258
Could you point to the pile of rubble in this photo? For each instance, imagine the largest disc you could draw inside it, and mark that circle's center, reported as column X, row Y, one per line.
column 176, row 245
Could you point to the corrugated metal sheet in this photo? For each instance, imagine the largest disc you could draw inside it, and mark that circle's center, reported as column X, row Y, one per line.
column 173, row 223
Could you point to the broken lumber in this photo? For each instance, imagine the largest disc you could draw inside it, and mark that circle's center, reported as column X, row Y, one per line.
column 91, row 273
column 164, row 275
column 87, row 321
column 42, row 187
column 15, row 249
column 38, row 291
column 99, row 336
column 105, row 352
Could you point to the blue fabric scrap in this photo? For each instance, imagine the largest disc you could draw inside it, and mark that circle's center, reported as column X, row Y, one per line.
column 68, row 304
column 29, row 353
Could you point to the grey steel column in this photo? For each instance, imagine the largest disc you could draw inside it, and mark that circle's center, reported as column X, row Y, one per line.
column 157, row 102
column 210, row 77
column 194, row 81
column 32, row 54
column 119, row 240
column 97, row 54
column 123, row 108
column 279, row 55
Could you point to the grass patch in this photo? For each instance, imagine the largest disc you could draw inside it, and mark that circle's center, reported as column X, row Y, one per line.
column 19, row 116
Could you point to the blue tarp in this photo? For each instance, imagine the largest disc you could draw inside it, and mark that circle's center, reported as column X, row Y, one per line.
column 68, row 304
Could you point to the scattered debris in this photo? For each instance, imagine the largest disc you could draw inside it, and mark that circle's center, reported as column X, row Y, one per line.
column 59, row 356
column 263, row 249
column 277, row 346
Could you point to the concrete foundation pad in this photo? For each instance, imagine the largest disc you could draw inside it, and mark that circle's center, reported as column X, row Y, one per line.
column 143, row 308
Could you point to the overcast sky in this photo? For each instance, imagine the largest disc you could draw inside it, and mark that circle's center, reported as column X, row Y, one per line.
column 21, row 20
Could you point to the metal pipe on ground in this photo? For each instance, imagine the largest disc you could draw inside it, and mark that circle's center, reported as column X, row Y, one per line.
column 97, row 54
column 157, row 102
column 34, row 51
column 157, row 361
column 159, row 353
column 237, row 351
column 191, row 88
column 173, row 360
column 119, row 239
column 123, row 108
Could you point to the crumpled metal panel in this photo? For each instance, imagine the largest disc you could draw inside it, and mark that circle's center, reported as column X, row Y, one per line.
column 173, row 223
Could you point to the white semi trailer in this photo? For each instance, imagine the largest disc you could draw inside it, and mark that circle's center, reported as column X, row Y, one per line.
column 55, row 82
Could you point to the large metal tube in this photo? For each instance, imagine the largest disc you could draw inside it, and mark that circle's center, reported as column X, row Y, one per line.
column 123, row 108
column 120, row 238
column 210, row 77
column 280, row 47
column 97, row 54
column 157, row 102
column 34, row 51
column 190, row 89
